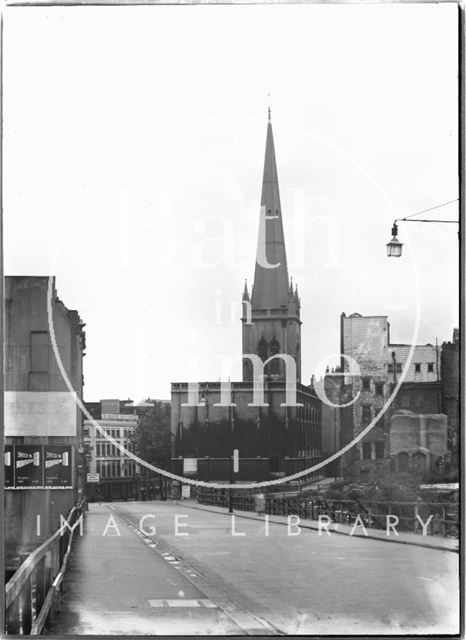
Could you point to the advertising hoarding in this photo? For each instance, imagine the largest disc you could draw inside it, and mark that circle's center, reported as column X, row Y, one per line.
column 57, row 466
column 28, row 465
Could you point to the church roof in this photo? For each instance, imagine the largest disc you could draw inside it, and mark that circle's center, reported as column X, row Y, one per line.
column 271, row 284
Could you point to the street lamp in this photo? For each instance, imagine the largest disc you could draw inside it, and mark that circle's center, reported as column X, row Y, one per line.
column 394, row 247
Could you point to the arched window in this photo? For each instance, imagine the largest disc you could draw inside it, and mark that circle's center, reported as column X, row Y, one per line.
column 263, row 349
column 419, row 463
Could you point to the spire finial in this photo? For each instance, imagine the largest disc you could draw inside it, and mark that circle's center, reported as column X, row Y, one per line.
column 245, row 291
column 270, row 116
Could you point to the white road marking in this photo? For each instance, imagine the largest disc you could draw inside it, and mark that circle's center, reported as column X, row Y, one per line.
column 428, row 579
column 183, row 603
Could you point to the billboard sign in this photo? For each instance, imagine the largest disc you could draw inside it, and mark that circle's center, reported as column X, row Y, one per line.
column 28, row 465
column 57, row 466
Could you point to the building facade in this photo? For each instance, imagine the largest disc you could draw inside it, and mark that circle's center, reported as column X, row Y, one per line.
column 366, row 339
column 44, row 466
column 418, row 442
column 270, row 439
column 450, row 393
column 331, row 420
column 111, row 473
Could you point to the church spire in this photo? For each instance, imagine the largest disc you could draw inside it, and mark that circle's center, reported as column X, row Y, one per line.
column 271, row 282
column 271, row 321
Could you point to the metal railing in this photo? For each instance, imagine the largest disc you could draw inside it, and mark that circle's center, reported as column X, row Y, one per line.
column 440, row 518
column 32, row 595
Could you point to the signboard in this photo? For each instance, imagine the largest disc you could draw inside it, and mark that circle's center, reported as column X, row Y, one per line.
column 93, row 477
column 9, row 466
column 40, row 413
column 57, row 466
column 189, row 465
column 28, row 465
column 186, row 491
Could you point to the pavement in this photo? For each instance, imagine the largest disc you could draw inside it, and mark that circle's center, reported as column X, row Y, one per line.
column 121, row 582
column 400, row 537
column 165, row 568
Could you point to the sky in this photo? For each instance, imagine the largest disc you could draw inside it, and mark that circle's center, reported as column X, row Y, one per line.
column 134, row 142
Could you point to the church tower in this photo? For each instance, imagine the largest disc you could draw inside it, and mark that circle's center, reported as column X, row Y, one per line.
column 271, row 314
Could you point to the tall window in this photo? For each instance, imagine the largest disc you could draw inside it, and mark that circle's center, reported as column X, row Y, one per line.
column 430, row 367
column 417, row 367
column 366, row 413
column 366, row 450
column 379, row 449
column 262, row 349
column 39, row 361
column 366, row 384
column 379, row 388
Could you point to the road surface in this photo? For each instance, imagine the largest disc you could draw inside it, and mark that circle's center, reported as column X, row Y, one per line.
column 184, row 570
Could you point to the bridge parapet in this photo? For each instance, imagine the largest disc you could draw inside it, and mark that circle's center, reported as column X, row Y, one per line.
column 32, row 595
